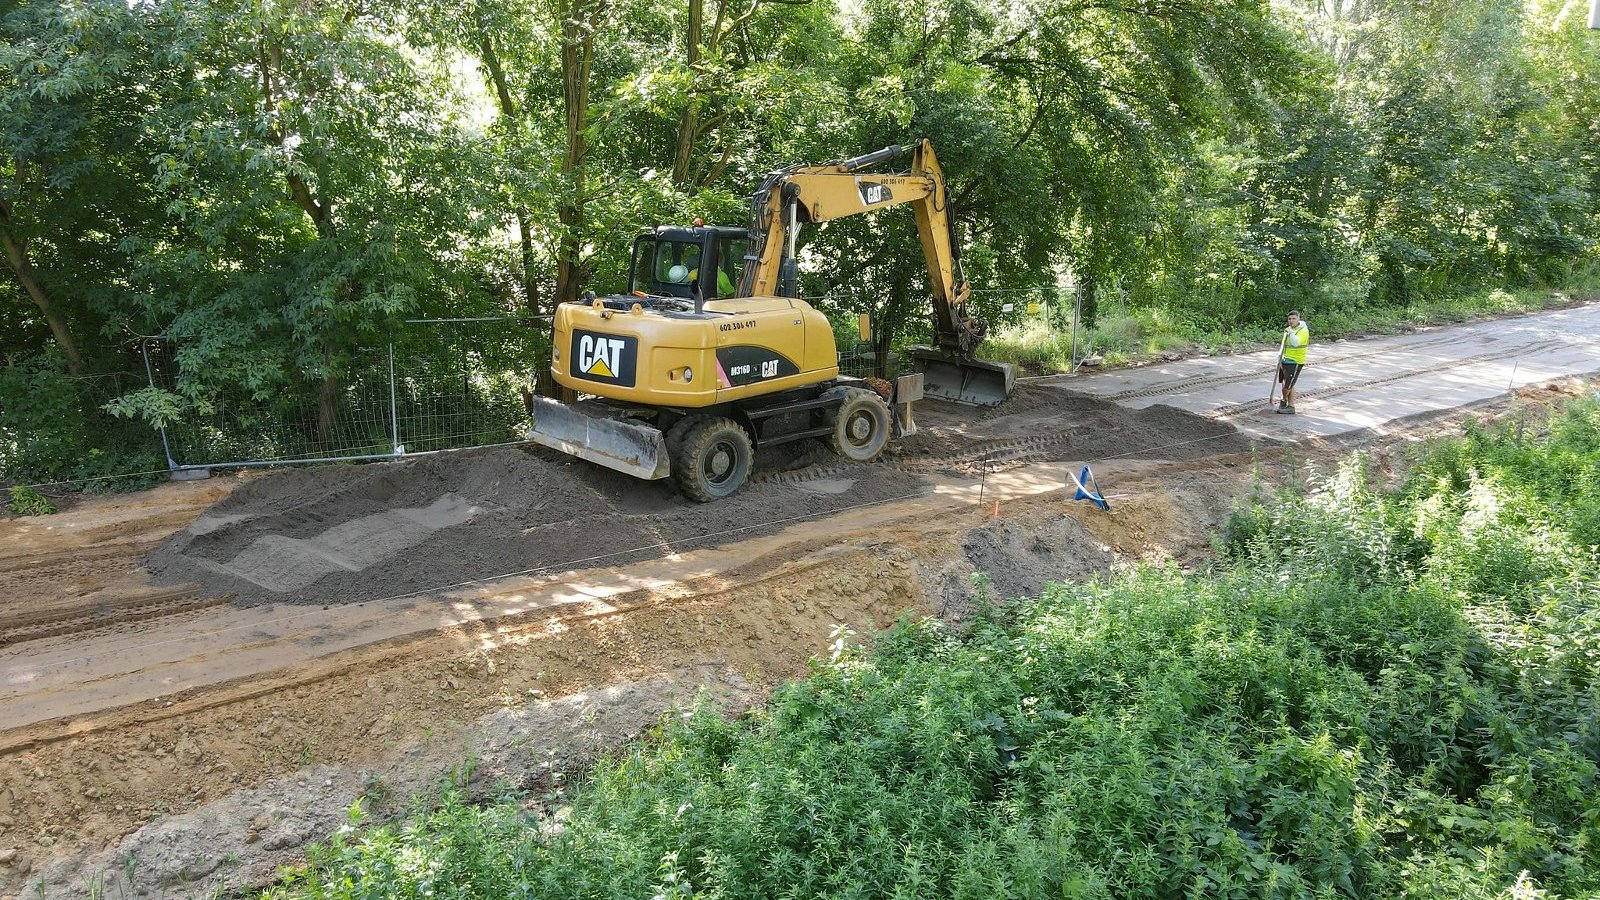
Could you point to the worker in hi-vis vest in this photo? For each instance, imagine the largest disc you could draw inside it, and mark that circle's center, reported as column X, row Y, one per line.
column 1296, row 338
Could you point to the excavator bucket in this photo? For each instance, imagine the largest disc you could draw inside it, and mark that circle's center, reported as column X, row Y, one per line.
column 616, row 443
column 976, row 382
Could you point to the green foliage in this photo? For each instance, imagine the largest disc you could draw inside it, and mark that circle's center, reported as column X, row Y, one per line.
column 75, row 170
column 274, row 186
column 310, row 226
column 25, row 501
column 1379, row 695
column 1042, row 343
column 152, row 405
column 53, row 429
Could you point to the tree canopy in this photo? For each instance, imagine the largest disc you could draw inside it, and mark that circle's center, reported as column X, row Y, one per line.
column 275, row 183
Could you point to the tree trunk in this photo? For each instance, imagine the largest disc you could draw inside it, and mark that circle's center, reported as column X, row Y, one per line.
column 683, row 159
column 508, row 112
column 890, row 322
column 1089, row 288
column 497, row 75
column 689, row 123
column 328, row 401
column 530, row 286
column 577, row 56
column 17, row 259
column 320, row 212
column 318, row 209
column 321, row 215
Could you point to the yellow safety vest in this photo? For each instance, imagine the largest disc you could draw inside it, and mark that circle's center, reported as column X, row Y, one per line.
column 1294, row 349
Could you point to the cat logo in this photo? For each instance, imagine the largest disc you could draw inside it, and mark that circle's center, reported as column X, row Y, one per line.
column 873, row 193
column 600, row 357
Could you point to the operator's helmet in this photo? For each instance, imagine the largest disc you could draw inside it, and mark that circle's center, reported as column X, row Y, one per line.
column 678, row 274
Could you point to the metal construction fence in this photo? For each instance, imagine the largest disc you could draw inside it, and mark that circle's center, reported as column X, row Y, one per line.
column 430, row 385
column 861, row 361
column 434, row 384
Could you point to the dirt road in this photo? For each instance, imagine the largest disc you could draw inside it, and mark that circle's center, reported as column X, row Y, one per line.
column 317, row 562
column 1364, row 385
column 301, row 639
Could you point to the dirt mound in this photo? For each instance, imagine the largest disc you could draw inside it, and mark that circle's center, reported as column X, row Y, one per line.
column 1075, row 426
column 1021, row 558
column 339, row 534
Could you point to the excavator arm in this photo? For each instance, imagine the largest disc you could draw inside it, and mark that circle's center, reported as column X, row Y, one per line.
column 800, row 195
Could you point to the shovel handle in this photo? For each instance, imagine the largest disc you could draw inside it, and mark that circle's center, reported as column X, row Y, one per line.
column 1277, row 363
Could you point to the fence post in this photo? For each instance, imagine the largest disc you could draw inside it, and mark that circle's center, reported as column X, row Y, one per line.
column 150, row 376
column 395, row 446
column 1077, row 315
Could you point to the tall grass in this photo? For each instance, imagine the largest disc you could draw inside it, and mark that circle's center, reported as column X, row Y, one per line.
column 1371, row 695
column 1042, row 343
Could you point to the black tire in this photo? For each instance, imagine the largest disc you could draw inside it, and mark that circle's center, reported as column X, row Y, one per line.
column 713, row 460
column 860, row 425
column 676, row 434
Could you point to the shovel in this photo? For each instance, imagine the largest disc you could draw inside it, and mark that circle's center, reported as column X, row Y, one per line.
column 1277, row 363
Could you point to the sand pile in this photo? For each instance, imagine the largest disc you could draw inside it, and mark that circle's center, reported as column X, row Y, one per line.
column 338, row 534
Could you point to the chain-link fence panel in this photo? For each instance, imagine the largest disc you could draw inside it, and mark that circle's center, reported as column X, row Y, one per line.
column 435, row 384
column 860, row 360
column 463, row 383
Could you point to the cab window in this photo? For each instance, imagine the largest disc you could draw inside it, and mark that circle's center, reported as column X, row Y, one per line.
column 730, row 265
column 665, row 268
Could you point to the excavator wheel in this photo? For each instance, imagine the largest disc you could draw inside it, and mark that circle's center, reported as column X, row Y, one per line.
column 677, row 433
column 861, row 426
column 712, row 458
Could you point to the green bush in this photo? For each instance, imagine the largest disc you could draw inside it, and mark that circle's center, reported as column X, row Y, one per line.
column 1372, row 695
column 25, row 501
column 53, row 429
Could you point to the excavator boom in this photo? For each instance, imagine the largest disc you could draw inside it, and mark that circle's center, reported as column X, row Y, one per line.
column 816, row 194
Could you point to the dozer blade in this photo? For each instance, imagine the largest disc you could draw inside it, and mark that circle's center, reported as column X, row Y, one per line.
column 977, row 382
column 629, row 447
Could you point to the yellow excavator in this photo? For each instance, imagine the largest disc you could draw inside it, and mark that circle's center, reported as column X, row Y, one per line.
column 711, row 355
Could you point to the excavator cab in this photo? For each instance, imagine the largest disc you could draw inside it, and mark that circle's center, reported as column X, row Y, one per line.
column 680, row 262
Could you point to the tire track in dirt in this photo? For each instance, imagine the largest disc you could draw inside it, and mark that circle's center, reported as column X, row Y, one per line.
column 108, row 615
column 84, row 789
column 89, row 783
column 1223, row 380
column 1236, row 409
column 67, row 782
column 87, row 779
column 375, row 491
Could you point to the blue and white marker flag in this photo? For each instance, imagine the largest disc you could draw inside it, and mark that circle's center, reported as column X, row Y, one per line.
column 1089, row 489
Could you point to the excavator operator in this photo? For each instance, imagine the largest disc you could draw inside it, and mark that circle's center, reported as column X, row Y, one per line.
column 724, row 283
